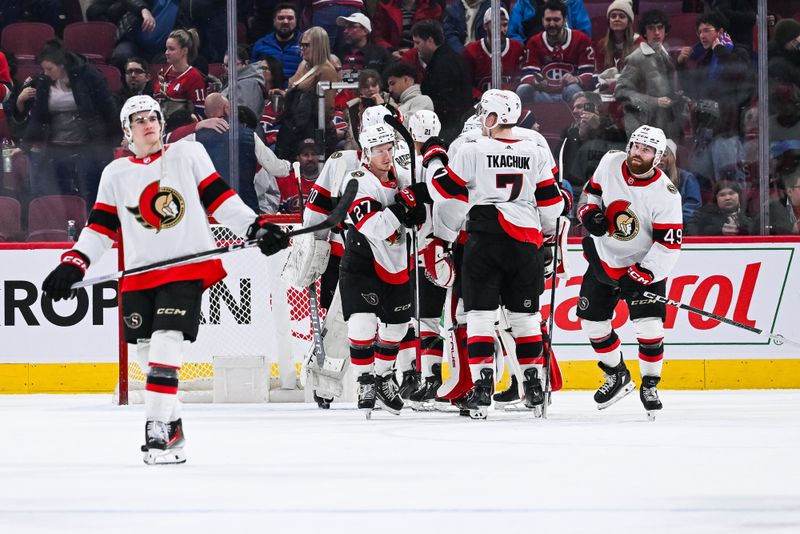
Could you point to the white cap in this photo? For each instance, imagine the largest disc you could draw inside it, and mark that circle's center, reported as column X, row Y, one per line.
column 358, row 18
column 488, row 15
column 672, row 147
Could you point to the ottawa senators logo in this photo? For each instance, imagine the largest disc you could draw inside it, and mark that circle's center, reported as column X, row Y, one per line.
column 159, row 207
column 622, row 221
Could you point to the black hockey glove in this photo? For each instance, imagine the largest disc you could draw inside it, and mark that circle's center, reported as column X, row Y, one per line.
column 419, row 192
column 636, row 281
column 434, row 148
column 593, row 219
column 271, row 239
column 409, row 216
column 58, row 284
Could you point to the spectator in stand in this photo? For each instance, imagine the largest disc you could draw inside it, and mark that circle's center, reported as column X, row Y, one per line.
column 463, row 22
column 137, row 80
column 717, row 75
column 6, row 89
column 181, row 86
column 686, row 182
column 525, row 22
column 369, row 94
column 272, row 72
column 47, row 11
column 284, row 42
column 394, row 19
column 612, row 49
column 63, row 119
column 325, row 13
column 725, row 216
column 355, row 51
column 589, row 138
column 139, row 32
column 308, row 156
column 560, row 60
column 446, row 77
column 784, row 122
column 405, row 92
column 646, row 86
column 478, row 56
column 741, row 15
column 249, row 82
column 784, row 213
column 784, row 53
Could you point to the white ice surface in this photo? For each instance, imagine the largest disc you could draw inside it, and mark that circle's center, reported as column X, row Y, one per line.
column 712, row 462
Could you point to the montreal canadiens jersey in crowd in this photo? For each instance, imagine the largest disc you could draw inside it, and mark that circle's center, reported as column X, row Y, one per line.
column 508, row 174
column 550, row 63
column 383, row 230
column 645, row 221
column 479, row 61
column 161, row 204
column 190, row 85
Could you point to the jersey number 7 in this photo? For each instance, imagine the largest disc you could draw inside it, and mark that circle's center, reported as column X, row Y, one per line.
column 515, row 180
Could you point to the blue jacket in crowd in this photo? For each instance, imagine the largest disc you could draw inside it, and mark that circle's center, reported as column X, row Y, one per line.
column 523, row 15
column 289, row 54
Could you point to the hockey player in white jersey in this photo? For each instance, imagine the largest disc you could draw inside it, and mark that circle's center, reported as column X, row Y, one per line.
column 160, row 200
column 633, row 214
column 497, row 182
column 374, row 278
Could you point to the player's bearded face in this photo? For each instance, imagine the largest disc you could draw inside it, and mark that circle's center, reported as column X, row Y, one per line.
column 640, row 158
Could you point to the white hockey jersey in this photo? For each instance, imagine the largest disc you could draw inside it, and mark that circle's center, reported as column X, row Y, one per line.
column 383, row 230
column 515, row 176
column 161, row 203
column 644, row 218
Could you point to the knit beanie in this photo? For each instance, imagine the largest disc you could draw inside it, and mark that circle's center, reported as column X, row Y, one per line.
column 786, row 30
column 626, row 6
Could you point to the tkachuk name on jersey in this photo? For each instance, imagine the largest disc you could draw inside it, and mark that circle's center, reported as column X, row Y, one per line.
column 502, row 161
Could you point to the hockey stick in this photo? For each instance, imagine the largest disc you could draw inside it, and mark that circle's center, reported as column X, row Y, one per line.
column 311, row 289
column 776, row 338
column 336, row 216
column 392, row 121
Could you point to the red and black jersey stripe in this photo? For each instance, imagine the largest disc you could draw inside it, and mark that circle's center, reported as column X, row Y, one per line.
column 669, row 235
column 319, row 200
column 547, row 193
column 213, row 192
column 593, row 188
column 104, row 220
column 450, row 185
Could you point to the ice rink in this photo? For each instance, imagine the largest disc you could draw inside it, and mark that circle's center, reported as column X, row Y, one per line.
column 718, row 461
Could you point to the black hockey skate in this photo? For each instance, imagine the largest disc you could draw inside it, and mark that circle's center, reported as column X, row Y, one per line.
column 386, row 393
column 366, row 393
column 617, row 385
column 649, row 396
column 508, row 397
column 479, row 398
column 411, row 383
column 322, row 402
column 423, row 398
column 163, row 443
column 534, row 395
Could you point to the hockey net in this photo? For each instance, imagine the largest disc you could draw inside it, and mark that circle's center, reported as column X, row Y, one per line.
column 252, row 312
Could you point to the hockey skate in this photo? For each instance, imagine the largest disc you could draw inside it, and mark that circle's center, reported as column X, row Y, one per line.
column 479, row 398
column 509, row 397
column 322, row 402
column 423, row 399
column 163, row 443
column 366, row 393
column 534, row 395
column 387, row 394
column 411, row 383
column 649, row 396
column 617, row 384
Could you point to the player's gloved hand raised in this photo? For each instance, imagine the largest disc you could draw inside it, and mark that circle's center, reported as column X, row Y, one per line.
column 58, row 284
column 567, row 201
column 419, row 192
column 407, row 210
column 593, row 219
column 636, row 281
column 271, row 239
column 434, row 148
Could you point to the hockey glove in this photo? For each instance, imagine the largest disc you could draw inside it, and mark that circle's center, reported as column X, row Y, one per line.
column 408, row 216
column 419, row 191
column 593, row 219
column 636, row 280
column 58, row 284
column 434, row 148
column 567, row 201
column 271, row 239
column 413, row 206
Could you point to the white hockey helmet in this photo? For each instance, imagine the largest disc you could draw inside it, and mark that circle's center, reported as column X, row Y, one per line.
column 505, row 104
column 472, row 123
column 650, row 136
column 373, row 136
column 133, row 105
column 424, row 124
column 374, row 115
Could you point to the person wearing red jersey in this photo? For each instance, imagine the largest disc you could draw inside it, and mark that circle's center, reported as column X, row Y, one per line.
column 478, row 56
column 181, row 86
column 160, row 200
column 308, row 157
column 560, row 60
column 634, row 215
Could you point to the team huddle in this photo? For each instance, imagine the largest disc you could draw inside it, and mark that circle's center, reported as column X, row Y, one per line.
column 466, row 233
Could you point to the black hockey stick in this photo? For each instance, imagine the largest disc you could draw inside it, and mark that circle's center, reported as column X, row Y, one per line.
column 776, row 338
column 392, row 121
column 336, row 216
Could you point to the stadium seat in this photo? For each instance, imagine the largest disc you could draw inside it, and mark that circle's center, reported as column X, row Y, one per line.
column 599, row 28
column 26, row 70
column 596, row 9
column 552, row 117
column 25, row 39
column 48, row 216
column 94, row 39
column 670, row 7
column 217, row 69
column 113, row 77
column 683, row 29
column 10, row 218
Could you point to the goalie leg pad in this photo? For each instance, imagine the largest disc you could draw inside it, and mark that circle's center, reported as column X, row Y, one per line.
column 480, row 341
column 361, row 329
column 650, row 334
column 307, row 260
column 604, row 340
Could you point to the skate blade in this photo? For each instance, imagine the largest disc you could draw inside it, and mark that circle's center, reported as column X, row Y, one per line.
column 383, row 406
column 508, row 406
column 424, row 406
column 651, row 415
column 164, row 457
column 481, row 412
column 630, row 386
column 367, row 413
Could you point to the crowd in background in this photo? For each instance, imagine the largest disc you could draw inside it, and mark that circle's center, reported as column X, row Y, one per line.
column 588, row 73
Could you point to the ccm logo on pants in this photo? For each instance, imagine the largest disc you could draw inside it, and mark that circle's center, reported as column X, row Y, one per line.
column 170, row 311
